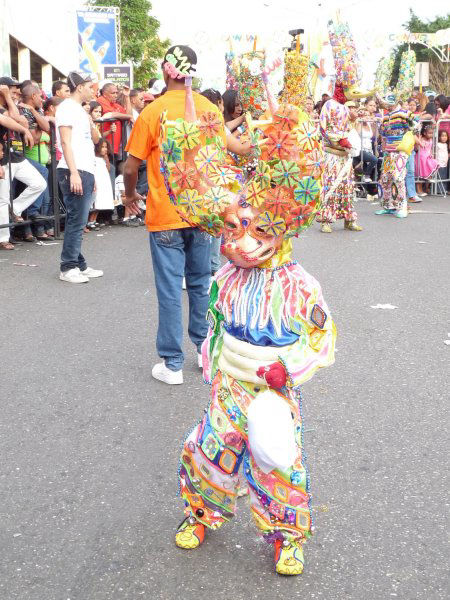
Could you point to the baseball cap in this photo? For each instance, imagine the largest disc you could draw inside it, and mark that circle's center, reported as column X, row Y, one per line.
column 351, row 104
column 75, row 78
column 157, row 87
column 9, row 81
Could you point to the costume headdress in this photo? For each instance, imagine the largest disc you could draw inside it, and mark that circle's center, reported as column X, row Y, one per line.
column 407, row 72
column 346, row 61
column 284, row 189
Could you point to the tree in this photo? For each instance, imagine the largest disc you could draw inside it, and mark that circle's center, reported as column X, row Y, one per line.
column 139, row 37
column 439, row 72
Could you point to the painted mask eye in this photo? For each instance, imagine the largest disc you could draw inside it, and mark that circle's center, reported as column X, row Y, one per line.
column 230, row 225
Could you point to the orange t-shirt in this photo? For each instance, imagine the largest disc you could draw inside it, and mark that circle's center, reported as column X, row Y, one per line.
column 143, row 144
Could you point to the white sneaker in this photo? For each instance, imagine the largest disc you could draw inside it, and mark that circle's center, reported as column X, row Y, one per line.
column 92, row 273
column 183, row 285
column 199, row 360
column 73, row 276
column 162, row 373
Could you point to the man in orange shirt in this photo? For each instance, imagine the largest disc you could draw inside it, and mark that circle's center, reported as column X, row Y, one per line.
column 177, row 249
column 112, row 109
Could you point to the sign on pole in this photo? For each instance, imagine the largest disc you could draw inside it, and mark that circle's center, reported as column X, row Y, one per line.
column 119, row 74
column 98, row 39
column 422, row 75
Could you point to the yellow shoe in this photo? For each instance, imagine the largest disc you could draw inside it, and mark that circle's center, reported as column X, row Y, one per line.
column 352, row 226
column 190, row 534
column 288, row 558
column 326, row 228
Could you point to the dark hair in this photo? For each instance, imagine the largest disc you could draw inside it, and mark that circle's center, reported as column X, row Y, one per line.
column 57, row 85
column 93, row 104
column 151, row 81
column 230, row 99
column 443, row 101
column 53, row 101
column 448, row 138
column 212, row 95
column 430, row 108
column 426, row 126
column 24, row 84
column 135, row 92
column 99, row 145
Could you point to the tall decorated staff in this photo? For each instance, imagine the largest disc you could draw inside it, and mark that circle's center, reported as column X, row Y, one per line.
column 335, row 127
column 406, row 76
column 295, row 90
column 270, row 328
column 383, row 74
column 397, row 132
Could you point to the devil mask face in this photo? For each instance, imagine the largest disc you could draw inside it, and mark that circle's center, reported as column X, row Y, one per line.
column 246, row 243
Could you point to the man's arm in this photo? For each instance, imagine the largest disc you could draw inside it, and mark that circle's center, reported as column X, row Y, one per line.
column 41, row 121
column 12, row 109
column 76, row 185
column 118, row 116
column 130, row 176
column 10, row 123
column 126, row 96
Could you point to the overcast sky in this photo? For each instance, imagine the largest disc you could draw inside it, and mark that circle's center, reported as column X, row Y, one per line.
column 204, row 24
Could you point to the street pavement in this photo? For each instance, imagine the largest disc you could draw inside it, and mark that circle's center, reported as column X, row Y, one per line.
column 89, row 443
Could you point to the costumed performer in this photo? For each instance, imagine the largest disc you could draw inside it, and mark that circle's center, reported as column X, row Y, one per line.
column 335, row 126
column 398, row 142
column 269, row 331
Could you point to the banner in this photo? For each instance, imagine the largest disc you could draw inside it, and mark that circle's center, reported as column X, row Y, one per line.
column 97, row 38
column 119, row 74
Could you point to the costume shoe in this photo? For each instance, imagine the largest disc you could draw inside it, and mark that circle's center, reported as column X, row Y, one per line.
column 352, row 226
column 190, row 534
column 288, row 557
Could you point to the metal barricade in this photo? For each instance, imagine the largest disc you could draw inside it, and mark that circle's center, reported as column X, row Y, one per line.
column 13, row 147
column 438, row 183
column 110, row 136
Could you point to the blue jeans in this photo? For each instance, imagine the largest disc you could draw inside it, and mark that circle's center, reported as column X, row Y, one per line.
column 410, row 175
column 215, row 253
column 177, row 253
column 77, row 212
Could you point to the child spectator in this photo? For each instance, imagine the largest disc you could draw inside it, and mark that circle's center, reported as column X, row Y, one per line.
column 426, row 165
column 442, row 151
column 103, row 194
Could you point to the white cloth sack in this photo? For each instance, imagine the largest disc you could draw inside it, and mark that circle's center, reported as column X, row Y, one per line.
column 271, row 432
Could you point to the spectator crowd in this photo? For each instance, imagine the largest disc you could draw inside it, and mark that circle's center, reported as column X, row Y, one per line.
column 27, row 121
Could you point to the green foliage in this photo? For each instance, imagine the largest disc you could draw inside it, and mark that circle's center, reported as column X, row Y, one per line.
column 423, row 54
column 139, row 37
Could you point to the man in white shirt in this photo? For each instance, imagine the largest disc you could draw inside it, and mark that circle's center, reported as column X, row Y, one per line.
column 76, row 137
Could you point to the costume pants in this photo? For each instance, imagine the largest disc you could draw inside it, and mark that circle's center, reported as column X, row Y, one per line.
column 393, row 180
column 338, row 204
column 177, row 253
column 213, row 453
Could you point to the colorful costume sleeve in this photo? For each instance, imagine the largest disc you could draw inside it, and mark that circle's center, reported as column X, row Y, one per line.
column 317, row 334
column 334, row 121
column 212, row 345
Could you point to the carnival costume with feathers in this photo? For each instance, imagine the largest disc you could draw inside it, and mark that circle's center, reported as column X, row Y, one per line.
column 270, row 329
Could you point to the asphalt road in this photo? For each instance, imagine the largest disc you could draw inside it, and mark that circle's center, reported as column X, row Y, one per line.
column 89, row 443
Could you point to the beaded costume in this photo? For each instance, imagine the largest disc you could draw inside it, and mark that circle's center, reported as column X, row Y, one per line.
column 335, row 126
column 269, row 327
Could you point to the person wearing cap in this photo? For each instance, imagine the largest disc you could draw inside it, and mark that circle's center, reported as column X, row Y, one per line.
column 76, row 136
column 9, row 97
column 177, row 249
column 157, row 88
